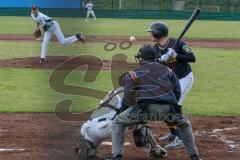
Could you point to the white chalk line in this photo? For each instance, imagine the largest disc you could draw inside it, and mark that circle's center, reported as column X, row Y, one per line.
column 3, row 130
column 110, row 144
column 224, row 129
column 2, row 150
column 223, row 138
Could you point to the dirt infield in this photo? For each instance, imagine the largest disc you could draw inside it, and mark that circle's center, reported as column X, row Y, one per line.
column 43, row 136
column 208, row 43
column 55, row 61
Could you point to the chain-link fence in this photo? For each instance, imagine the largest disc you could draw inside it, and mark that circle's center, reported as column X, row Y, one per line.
column 183, row 5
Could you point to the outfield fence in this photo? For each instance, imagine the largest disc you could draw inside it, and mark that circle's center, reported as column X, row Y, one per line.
column 142, row 9
column 206, row 5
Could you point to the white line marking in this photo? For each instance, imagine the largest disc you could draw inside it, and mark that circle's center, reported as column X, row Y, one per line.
column 223, row 138
column 110, row 143
column 11, row 150
column 224, row 129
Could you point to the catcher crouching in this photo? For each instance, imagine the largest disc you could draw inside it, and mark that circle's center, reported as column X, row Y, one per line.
column 99, row 128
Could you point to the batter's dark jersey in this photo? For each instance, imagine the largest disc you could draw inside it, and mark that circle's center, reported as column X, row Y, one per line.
column 181, row 66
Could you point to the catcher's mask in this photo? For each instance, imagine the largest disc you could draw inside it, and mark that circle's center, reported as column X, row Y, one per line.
column 146, row 53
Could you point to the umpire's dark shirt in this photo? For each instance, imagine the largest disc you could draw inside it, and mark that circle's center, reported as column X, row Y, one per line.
column 150, row 83
column 184, row 55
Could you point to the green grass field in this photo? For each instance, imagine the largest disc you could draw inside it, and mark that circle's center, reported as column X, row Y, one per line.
column 125, row 27
column 215, row 92
column 25, row 90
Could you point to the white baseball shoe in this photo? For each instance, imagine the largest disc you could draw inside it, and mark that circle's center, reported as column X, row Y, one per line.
column 177, row 143
column 169, row 137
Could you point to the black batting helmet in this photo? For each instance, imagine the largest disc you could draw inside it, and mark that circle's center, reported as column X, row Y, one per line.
column 146, row 53
column 158, row 29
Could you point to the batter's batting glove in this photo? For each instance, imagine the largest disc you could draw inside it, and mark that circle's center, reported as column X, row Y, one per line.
column 171, row 52
column 169, row 56
column 164, row 58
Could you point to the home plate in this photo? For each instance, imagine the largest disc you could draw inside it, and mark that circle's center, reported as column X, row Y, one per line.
column 2, row 150
column 110, row 143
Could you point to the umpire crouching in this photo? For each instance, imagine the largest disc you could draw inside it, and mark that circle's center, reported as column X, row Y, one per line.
column 151, row 92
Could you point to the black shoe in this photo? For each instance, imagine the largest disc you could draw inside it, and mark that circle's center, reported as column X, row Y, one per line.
column 116, row 157
column 42, row 61
column 80, row 37
column 195, row 157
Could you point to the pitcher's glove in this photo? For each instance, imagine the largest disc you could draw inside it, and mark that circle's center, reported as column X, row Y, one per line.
column 37, row 33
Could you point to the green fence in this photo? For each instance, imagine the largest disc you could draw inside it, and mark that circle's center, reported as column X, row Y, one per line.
column 206, row 5
column 124, row 13
column 150, row 14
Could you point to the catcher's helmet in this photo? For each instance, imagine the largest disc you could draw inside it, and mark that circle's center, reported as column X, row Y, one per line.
column 158, row 29
column 146, row 53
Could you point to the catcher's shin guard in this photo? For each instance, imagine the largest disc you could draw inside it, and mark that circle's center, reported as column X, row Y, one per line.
column 143, row 136
column 156, row 150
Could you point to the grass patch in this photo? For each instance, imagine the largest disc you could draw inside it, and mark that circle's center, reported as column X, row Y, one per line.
column 10, row 50
column 25, row 90
column 215, row 92
column 124, row 27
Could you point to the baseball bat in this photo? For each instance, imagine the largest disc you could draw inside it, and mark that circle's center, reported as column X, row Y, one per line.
column 193, row 17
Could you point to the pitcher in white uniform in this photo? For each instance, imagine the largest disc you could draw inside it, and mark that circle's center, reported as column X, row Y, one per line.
column 51, row 27
column 89, row 8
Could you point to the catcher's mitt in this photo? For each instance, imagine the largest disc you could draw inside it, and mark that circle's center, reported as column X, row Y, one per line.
column 37, row 34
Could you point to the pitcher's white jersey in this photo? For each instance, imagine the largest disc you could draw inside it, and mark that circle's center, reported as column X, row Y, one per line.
column 41, row 19
column 51, row 28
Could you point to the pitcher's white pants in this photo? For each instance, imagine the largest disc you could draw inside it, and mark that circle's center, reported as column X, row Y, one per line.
column 186, row 84
column 55, row 30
